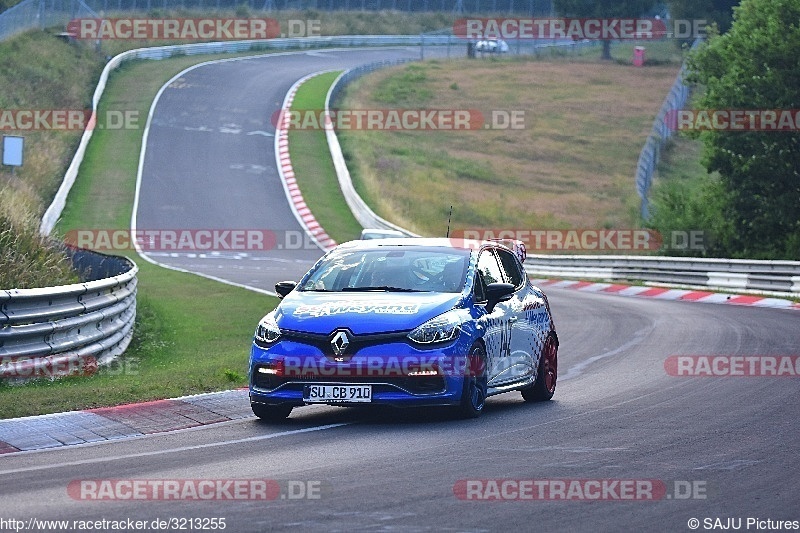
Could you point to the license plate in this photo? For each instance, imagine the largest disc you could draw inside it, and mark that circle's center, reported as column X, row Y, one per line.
column 337, row 393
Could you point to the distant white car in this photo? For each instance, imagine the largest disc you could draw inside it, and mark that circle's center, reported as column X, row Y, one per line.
column 492, row 46
column 381, row 234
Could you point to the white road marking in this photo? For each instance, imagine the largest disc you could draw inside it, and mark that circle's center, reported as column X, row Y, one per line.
column 110, row 458
column 728, row 465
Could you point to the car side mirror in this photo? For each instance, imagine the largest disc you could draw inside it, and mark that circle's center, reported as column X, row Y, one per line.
column 496, row 293
column 285, row 287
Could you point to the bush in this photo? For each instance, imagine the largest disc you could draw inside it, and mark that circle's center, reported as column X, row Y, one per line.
column 692, row 205
column 28, row 260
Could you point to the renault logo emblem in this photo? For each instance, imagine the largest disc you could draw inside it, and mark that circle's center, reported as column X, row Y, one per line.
column 340, row 342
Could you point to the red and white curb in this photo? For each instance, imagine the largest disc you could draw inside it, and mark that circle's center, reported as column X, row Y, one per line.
column 135, row 420
column 663, row 293
column 286, row 171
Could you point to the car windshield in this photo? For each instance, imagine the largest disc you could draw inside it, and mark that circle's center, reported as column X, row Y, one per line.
column 390, row 269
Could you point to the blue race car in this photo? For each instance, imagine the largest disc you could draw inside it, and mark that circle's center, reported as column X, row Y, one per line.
column 406, row 322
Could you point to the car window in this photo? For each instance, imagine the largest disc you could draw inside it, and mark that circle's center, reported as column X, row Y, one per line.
column 479, row 287
column 511, row 268
column 388, row 268
column 487, row 264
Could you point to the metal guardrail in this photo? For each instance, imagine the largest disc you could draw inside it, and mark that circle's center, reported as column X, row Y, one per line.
column 739, row 274
column 361, row 211
column 74, row 327
column 457, row 46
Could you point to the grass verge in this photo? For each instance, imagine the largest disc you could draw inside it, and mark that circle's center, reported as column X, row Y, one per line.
column 409, row 87
column 572, row 165
column 183, row 344
column 192, row 334
column 313, row 166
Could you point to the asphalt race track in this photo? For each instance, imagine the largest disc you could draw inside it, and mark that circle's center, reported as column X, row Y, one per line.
column 210, row 163
column 620, row 417
column 697, row 447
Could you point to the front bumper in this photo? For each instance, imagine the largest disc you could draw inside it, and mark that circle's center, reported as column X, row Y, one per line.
column 389, row 368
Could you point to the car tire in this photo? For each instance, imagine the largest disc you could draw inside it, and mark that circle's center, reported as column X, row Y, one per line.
column 473, row 393
column 545, row 385
column 271, row 413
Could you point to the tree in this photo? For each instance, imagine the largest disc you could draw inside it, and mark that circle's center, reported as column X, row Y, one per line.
column 756, row 66
column 719, row 12
column 604, row 9
column 5, row 4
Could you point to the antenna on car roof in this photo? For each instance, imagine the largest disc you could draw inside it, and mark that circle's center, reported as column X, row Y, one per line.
column 448, row 221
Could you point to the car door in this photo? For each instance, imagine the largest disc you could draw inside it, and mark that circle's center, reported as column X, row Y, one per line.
column 497, row 323
column 522, row 360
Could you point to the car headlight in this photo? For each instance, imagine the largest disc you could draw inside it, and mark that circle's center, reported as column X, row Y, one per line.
column 442, row 328
column 267, row 331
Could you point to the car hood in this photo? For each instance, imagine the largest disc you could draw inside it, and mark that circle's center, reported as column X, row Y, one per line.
column 363, row 313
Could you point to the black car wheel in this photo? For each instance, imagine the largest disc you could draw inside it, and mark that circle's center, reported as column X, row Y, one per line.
column 473, row 395
column 271, row 413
